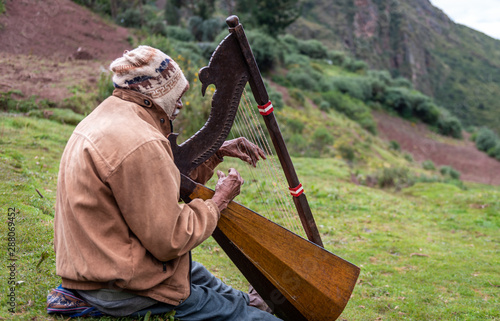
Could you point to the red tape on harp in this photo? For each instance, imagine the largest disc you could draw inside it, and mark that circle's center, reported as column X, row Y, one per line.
column 296, row 191
column 266, row 109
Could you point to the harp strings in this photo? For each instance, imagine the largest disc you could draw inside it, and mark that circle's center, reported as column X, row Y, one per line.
column 270, row 181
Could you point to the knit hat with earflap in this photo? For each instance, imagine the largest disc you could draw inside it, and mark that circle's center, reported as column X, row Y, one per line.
column 152, row 73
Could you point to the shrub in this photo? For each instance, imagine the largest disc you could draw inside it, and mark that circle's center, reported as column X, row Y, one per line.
column 324, row 105
column 354, row 65
column 159, row 42
column 264, row 48
column 450, row 126
column 486, row 139
column 402, row 82
column 179, row 33
column 394, row 177
column 105, row 86
column 427, row 111
column 337, row 57
column 394, row 145
column 450, row 172
column 382, row 75
column 357, row 87
column 399, row 100
column 408, row 157
column 428, row 165
column 495, row 151
column 291, row 43
column 312, row 48
column 352, row 108
column 295, row 125
column 321, row 139
column 297, row 145
column 297, row 59
column 301, row 79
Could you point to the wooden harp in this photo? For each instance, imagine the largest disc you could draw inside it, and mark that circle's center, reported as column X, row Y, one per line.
column 297, row 278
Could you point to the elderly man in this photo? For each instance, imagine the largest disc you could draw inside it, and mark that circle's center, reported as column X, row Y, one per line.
column 122, row 239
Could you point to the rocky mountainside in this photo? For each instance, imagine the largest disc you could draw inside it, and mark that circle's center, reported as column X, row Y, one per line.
column 458, row 66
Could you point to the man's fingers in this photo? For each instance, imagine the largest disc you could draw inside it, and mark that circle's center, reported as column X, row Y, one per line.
column 221, row 174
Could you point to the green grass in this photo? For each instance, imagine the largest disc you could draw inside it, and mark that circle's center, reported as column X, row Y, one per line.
column 429, row 252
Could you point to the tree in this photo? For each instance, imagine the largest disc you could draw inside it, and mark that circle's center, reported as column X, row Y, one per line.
column 273, row 16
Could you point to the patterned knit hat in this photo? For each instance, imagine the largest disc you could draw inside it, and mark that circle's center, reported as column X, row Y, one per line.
column 152, row 73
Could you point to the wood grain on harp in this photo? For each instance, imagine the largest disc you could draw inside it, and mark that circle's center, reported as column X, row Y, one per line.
column 297, row 278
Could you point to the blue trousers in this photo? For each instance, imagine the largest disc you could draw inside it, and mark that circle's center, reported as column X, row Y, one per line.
column 212, row 300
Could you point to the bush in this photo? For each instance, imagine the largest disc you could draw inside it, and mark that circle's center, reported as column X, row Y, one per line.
column 402, row 82
column 297, row 59
column 399, row 99
column 450, row 172
column 321, row 139
column 428, row 165
column 301, row 79
column 357, row 87
column 265, row 50
column 295, row 125
column 450, row 126
column 427, row 111
column 394, row 145
column 337, row 57
column 352, row 108
column 62, row 115
column 382, row 75
column 312, row 48
column 495, row 151
column 394, row 177
column 159, row 42
column 179, row 33
column 486, row 139
column 297, row 145
column 354, row 65
column 408, row 157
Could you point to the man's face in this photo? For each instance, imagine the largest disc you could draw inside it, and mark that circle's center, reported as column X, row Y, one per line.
column 178, row 104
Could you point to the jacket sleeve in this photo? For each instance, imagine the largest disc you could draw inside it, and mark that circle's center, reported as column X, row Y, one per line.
column 205, row 171
column 146, row 188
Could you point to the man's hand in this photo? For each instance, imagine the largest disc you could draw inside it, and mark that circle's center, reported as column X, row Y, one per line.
column 243, row 149
column 227, row 188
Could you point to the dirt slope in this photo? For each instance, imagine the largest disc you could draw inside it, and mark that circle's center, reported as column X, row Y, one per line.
column 56, row 29
column 48, row 46
column 475, row 166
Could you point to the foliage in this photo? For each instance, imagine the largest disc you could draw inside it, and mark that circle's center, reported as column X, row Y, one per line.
column 398, row 177
column 337, row 57
column 2, row 7
column 300, row 78
column 321, row 140
column 179, row 33
column 11, row 101
column 394, row 145
column 486, row 139
column 357, row 87
column 312, row 48
column 449, row 126
column 272, row 16
column 352, row 108
column 428, row 165
column 450, row 172
column 264, row 48
column 204, row 30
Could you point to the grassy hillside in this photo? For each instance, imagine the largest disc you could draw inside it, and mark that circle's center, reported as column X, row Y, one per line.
column 427, row 252
column 453, row 63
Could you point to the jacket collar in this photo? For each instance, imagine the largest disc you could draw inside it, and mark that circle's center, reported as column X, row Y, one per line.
column 160, row 118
